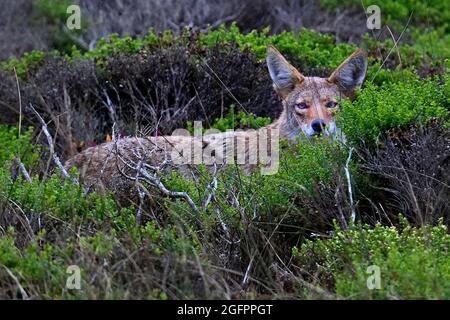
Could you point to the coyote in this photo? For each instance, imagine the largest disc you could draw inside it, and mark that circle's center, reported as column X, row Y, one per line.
column 309, row 104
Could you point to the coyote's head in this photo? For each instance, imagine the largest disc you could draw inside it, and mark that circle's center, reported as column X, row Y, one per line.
column 311, row 102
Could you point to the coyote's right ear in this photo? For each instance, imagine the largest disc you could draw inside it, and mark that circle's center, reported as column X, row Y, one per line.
column 284, row 76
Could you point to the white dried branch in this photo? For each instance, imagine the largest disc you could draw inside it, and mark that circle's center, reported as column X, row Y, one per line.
column 246, row 278
column 51, row 145
column 19, row 286
column 143, row 174
column 212, row 197
column 173, row 194
column 349, row 185
column 213, row 187
column 23, row 170
column 141, row 194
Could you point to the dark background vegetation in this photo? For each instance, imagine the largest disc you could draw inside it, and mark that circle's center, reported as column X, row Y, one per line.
column 25, row 28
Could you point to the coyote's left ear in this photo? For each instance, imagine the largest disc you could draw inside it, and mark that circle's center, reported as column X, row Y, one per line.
column 351, row 73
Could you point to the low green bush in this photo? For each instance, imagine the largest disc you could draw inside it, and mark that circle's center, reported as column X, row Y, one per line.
column 413, row 262
column 235, row 120
column 12, row 145
column 306, row 49
column 310, row 51
column 34, row 265
column 25, row 64
column 426, row 54
column 66, row 226
column 54, row 10
column 435, row 44
column 392, row 105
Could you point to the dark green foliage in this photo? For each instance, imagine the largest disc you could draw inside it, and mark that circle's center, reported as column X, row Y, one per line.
column 306, row 49
column 393, row 105
column 413, row 262
column 13, row 144
column 233, row 120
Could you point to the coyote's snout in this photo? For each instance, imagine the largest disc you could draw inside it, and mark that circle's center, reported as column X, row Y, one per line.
column 309, row 105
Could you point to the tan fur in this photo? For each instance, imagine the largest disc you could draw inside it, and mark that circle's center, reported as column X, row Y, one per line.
column 107, row 166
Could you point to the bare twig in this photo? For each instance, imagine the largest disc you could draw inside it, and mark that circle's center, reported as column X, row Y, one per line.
column 225, row 86
column 143, row 174
column 212, row 197
column 67, row 107
column 21, row 289
column 395, row 46
column 51, row 145
column 174, row 194
column 23, row 169
column 341, row 212
column 213, row 187
column 246, row 279
column 349, row 183
column 20, row 101
column 23, row 219
column 112, row 112
column 141, row 195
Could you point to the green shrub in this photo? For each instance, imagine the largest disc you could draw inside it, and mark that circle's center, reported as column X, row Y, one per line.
column 378, row 108
column 12, row 144
column 23, row 65
column 302, row 168
column 307, row 48
column 33, row 265
column 83, row 229
column 427, row 52
column 413, row 262
column 233, row 120
column 54, row 10
column 436, row 43
column 63, row 199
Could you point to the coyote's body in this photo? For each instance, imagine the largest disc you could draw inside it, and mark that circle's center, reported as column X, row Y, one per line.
column 309, row 105
column 113, row 165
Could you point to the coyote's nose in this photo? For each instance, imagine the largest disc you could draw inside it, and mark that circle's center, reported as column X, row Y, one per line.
column 318, row 125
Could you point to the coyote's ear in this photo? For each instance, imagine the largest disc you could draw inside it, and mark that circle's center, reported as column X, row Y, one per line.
column 351, row 73
column 284, row 76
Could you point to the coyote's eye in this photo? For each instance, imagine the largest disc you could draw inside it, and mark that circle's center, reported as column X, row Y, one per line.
column 301, row 106
column 331, row 104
